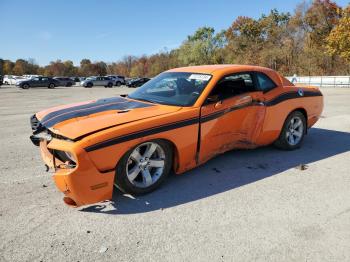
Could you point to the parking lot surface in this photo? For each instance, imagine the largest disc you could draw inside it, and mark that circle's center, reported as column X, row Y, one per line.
column 256, row 205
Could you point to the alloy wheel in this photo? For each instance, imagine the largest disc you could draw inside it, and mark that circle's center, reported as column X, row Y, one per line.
column 145, row 164
column 295, row 131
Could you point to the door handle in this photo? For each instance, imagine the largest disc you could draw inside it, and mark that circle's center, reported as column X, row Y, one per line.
column 244, row 100
column 218, row 105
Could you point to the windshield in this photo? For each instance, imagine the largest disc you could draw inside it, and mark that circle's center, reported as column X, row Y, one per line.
column 173, row 88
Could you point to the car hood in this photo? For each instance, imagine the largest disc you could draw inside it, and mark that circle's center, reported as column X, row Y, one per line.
column 76, row 120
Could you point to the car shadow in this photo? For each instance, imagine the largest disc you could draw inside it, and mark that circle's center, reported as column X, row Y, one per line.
column 226, row 172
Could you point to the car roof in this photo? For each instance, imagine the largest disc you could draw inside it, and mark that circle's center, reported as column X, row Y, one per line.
column 209, row 69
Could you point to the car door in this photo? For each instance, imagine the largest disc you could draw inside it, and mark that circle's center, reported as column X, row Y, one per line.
column 233, row 115
column 101, row 81
column 44, row 81
column 35, row 82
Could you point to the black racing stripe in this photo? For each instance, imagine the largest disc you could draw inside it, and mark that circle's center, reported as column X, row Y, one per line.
column 212, row 116
column 127, row 104
column 89, row 105
column 291, row 95
column 142, row 133
column 228, row 110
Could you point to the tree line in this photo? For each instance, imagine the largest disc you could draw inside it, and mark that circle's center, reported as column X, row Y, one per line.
column 313, row 40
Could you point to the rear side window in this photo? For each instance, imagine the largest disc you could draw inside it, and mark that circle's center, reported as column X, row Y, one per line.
column 265, row 83
column 233, row 85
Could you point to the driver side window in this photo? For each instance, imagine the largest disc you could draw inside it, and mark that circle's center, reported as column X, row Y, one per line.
column 233, row 85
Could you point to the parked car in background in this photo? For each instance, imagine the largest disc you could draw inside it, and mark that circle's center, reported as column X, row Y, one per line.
column 137, row 82
column 7, row 79
column 75, row 79
column 65, row 81
column 1, row 78
column 97, row 81
column 16, row 79
column 30, row 76
column 119, row 80
column 41, row 81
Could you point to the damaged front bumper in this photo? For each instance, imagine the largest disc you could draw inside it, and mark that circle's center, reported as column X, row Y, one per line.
column 75, row 175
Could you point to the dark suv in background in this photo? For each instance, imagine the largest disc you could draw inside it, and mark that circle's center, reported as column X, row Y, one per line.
column 65, row 81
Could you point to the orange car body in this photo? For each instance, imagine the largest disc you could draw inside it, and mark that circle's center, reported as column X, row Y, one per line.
column 97, row 139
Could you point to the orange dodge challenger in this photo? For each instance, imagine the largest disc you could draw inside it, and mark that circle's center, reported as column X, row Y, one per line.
column 177, row 121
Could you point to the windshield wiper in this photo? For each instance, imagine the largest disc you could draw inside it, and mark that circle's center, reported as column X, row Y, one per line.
column 142, row 99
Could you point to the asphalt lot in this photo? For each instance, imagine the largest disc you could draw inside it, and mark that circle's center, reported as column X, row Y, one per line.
column 241, row 206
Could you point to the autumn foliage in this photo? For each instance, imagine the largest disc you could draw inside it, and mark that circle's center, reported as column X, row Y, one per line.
column 313, row 40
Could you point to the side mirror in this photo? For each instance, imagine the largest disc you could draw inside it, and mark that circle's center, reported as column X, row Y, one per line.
column 212, row 99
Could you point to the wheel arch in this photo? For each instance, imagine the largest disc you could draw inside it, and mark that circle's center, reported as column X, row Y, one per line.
column 175, row 151
column 175, row 163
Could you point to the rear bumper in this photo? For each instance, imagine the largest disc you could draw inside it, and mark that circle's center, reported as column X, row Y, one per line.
column 81, row 185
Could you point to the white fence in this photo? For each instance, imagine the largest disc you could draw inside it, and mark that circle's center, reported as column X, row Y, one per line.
column 322, row 81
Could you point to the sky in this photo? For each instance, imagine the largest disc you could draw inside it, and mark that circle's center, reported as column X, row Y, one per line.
column 107, row 30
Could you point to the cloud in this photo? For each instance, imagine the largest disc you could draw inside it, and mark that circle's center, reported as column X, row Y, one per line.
column 45, row 35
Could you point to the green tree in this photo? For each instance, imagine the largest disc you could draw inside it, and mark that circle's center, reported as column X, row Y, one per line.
column 338, row 41
column 203, row 47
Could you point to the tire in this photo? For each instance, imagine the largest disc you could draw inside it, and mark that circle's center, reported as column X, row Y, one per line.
column 135, row 173
column 293, row 132
column 25, row 86
column 110, row 84
column 51, row 86
column 89, row 85
column 68, row 84
column 118, row 84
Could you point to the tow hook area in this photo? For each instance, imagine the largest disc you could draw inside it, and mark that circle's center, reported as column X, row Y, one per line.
column 70, row 202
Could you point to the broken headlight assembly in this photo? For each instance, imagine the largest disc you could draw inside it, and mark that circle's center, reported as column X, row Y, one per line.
column 36, row 138
column 67, row 158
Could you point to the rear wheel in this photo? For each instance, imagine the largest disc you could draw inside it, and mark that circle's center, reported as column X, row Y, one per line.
column 51, row 86
column 143, row 168
column 118, row 84
column 110, row 85
column 293, row 132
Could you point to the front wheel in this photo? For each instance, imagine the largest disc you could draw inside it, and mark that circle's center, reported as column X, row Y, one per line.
column 143, row 168
column 51, row 86
column 293, row 132
column 25, row 86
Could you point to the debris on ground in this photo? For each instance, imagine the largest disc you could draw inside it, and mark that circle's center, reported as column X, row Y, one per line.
column 88, row 231
column 259, row 166
column 216, row 170
column 44, row 185
column 103, row 249
column 302, row 167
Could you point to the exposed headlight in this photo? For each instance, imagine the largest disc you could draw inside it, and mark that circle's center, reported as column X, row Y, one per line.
column 43, row 136
column 70, row 156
